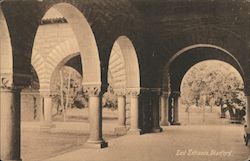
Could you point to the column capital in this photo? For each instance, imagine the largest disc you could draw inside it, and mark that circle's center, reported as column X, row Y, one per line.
column 45, row 92
column 92, row 90
column 134, row 92
column 120, row 92
column 156, row 91
column 6, row 82
column 176, row 93
column 165, row 93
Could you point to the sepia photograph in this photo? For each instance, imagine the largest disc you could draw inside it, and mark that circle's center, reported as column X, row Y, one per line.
column 125, row 80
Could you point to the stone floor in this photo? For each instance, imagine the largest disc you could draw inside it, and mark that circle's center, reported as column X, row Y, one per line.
column 176, row 143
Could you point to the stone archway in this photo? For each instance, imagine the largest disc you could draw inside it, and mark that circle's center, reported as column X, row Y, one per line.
column 225, row 75
column 178, row 65
column 71, row 36
column 124, row 71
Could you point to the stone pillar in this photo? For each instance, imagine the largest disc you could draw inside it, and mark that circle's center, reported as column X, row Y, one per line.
column 121, row 128
column 10, row 121
column 155, row 99
column 176, row 95
column 164, row 109
column 134, row 112
column 248, row 115
column 46, row 110
column 95, row 117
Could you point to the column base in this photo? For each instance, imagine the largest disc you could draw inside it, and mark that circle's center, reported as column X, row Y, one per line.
column 165, row 123
column 134, row 132
column 176, row 123
column 96, row 144
column 120, row 130
column 156, row 130
column 46, row 127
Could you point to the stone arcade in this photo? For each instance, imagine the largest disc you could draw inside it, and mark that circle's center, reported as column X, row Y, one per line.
column 145, row 46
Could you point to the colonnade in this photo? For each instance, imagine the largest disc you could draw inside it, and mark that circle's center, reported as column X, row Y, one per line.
column 10, row 116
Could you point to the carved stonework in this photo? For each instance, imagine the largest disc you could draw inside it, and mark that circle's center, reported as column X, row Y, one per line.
column 157, row 91
column 176, row 94
column 45, row 92
column 6, row 81
column 120, row 92
column 92, row 90
column 165, row 94
column 133, row 92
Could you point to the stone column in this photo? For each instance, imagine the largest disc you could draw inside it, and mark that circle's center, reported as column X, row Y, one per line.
column 10, row 121
column 46, row 110
column 155, row 99
column 164, row 109
column 95, row 117
column 134, row 112
column 248, row 115
column 176, row 95
column 121, row 128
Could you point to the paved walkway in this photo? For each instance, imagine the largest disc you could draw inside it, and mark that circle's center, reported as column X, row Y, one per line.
column 176, row 143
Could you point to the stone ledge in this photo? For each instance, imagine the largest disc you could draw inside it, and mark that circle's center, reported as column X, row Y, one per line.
column 96, row 144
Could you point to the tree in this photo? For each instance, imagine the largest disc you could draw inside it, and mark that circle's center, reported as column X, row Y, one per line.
column 221, row 84
column 71, row 91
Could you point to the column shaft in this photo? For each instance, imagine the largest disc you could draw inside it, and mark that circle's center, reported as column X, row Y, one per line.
column 248, row 115
column 164, row 110
column 121, row 111
column 121, row 129
column 156, row 112
column 176, row 110
column 10, row 125
column 95, row 119
column 134, row 116
column 46, row 113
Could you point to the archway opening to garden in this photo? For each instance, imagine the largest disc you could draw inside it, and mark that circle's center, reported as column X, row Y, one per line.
column 123, row 77
column 212, row 92
column 64, row 39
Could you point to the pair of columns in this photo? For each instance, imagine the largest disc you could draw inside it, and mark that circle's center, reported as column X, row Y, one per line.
column 95, row 115
column 165, row 108
column 134, row 111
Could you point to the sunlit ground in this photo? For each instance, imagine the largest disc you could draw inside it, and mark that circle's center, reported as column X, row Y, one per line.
column 72, row 135
column 213, row 134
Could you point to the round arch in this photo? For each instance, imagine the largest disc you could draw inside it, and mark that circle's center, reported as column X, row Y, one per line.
column 185, row 58
column 6, row 59
column 85, row 40
column 61, row 54
column 123, row 64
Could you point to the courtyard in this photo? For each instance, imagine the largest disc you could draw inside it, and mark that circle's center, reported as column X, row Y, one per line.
column 213, row 140
column 176, row 143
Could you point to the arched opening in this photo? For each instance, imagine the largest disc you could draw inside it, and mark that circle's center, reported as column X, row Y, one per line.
column 123, row 77
column 212, row 90
column 63, row 35
column 183, row 60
